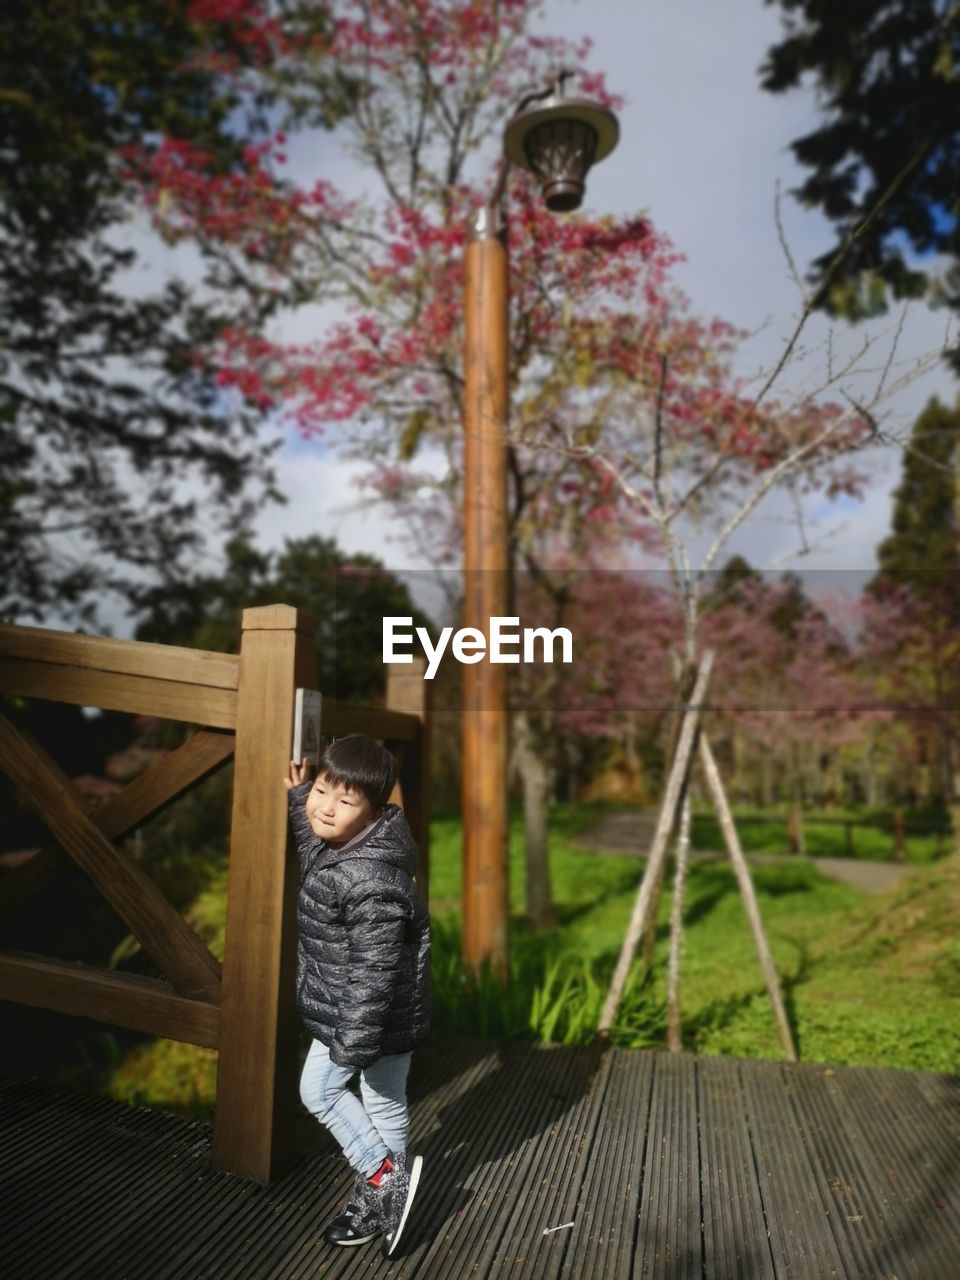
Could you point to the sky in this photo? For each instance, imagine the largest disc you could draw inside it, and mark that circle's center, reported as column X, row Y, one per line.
column 702, row 150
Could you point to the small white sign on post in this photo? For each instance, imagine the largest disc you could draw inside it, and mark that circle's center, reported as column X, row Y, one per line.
column 306, row 727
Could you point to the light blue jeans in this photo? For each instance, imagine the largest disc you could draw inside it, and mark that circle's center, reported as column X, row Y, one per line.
column 366, row 1130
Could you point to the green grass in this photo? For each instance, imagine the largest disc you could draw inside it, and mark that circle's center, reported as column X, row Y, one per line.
column 867, row 979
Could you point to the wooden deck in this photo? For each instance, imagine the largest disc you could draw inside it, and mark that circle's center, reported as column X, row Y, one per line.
column 700, row 1169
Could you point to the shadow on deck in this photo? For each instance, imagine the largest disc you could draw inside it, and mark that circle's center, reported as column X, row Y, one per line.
column 563, row 1163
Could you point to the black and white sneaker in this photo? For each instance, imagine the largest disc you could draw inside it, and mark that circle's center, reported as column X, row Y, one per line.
column 397, row 1190
column 359, row 1221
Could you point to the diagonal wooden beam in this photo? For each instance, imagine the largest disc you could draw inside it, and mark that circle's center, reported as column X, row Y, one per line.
column 173, row 774
column 164, row 934
column 169, row 778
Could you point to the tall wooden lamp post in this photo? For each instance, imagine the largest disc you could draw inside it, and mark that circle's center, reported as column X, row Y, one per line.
column 557, row 138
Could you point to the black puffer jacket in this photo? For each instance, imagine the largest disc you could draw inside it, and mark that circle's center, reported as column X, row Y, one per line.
column 363, row 958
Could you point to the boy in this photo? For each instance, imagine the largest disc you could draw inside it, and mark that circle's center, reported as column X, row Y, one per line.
column 363, row 976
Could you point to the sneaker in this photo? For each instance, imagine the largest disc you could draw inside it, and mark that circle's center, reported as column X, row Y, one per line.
column 359, row 1221
column 397, row 1190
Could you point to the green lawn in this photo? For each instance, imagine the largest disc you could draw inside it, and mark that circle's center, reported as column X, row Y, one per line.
column 867, row 979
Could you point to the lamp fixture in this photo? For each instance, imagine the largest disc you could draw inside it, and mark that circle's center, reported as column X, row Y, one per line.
column 558, row 139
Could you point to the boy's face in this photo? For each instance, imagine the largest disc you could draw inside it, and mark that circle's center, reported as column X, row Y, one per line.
column 336, row 813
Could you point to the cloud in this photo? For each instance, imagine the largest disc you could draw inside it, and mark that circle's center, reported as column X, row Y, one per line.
column 325, row 497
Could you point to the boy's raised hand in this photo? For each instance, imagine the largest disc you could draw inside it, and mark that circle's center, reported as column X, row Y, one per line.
column 297, row 773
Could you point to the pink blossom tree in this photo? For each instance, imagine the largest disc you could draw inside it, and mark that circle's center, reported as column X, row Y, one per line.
column 626, row 411
column 911, row 644
column 618, row 683
column 427, row 84
column 789, row 677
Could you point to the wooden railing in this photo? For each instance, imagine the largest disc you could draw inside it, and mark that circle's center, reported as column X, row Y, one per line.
column 243, row 707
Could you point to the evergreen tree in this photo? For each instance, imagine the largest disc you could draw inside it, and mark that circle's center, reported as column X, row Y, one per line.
column 347, row 595
column 884, row 161
column 117, row 451
column 923, row 548
column 733, row 583
column 785, row 603
column 915, row 626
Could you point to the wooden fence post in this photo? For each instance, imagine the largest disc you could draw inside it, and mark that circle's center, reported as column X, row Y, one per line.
column 899, row 836
column 408, row 691
column 257, row 1073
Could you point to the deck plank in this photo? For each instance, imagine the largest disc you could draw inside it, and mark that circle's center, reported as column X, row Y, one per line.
column 797, row 1206
column 667, row 1166
column 904, row 1133
column 79, row 1172
column 535, row 1239
column 602, row 1240
column 868, row 1218
column 670, row 1236
column 736, row 1241
column 500, row 1169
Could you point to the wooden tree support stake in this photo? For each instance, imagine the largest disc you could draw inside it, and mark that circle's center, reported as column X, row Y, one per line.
column 685, row 675
column 658, row 849
column 674, row 1033
column 748, row 893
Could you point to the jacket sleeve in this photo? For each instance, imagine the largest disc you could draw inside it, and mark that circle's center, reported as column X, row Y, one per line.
column 376, row 921
column 307, row 843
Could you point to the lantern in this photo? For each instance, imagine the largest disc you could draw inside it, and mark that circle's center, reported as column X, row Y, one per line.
column 558, row 139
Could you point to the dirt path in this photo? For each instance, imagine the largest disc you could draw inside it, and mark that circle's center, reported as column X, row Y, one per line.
column 628, row 832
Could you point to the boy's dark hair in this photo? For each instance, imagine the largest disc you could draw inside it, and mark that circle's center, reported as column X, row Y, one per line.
column 360, row 764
